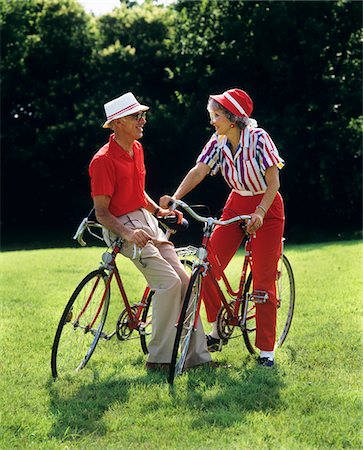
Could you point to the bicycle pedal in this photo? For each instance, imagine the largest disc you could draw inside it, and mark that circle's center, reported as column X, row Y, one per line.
column 258, row 296
column 215, row 344
column 104, row 336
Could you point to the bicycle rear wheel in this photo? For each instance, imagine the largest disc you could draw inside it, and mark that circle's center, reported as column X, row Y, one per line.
column 285, row 291
column 146, row 327
column 185, row 326
column 81, row 324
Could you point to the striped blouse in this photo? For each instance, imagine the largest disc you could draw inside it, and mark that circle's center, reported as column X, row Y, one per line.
column 245, row 171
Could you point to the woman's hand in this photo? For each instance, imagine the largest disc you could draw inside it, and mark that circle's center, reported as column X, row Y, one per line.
column 255, row 222
column 162, row 212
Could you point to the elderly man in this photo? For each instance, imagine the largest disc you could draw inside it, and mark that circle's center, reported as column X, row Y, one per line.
column 122, row 205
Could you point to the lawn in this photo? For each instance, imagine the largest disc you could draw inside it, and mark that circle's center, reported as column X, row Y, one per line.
column 311, row 400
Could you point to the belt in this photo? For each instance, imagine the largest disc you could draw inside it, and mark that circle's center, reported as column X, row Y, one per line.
column 247, row 193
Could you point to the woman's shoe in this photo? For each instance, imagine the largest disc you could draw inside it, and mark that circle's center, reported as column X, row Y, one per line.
column 265, row 362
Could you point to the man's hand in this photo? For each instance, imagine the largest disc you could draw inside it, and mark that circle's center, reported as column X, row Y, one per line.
column 137, row 237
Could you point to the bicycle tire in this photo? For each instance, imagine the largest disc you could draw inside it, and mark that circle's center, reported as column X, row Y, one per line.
column 74, row 342
column 146, row 329
column 285, row 290
column 185, row 324
column 146, row 317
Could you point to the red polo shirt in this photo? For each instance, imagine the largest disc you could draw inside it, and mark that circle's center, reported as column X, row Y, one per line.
column 114, row 173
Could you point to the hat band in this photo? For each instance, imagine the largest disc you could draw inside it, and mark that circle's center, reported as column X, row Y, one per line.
column 122, row 111
column 235, row 103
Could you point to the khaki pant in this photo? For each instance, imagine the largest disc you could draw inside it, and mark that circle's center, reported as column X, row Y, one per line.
column 164, row 273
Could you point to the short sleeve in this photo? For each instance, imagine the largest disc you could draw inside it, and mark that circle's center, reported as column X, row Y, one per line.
column 210, row 155
column 268, row 154
column 103, row 179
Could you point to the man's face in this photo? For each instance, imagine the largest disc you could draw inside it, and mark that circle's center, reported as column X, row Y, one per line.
column 132, row 126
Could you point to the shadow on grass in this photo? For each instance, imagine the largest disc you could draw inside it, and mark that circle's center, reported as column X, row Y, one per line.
column 217, row 396
column 79, row 413
column 226, row 394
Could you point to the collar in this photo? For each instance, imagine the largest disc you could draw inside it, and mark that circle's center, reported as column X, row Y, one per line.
column 117, row 150
column 243, row 143
column 245, row 137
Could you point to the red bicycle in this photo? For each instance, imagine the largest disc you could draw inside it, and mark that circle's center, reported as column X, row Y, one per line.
column 82, row 322
column 238, row 313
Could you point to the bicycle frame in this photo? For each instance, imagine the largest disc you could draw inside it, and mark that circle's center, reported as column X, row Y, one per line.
column 109, row 264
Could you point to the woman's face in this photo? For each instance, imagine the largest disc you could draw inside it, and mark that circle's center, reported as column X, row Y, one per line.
column 219, row 121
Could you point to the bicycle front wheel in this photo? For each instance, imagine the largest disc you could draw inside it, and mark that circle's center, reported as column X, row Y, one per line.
column 81, row 324
column 185, row 327
column 285, row 292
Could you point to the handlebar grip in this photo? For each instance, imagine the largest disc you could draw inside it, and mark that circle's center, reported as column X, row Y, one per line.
column 172, row 223
column 79, row 233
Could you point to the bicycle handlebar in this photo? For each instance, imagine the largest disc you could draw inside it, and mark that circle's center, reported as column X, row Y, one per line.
column 170, row 222
column 86, row 224
column 209, row 220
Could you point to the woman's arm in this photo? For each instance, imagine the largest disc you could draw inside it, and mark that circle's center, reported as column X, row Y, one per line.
column 190, row 181
column 273, row 185
column 154, row 209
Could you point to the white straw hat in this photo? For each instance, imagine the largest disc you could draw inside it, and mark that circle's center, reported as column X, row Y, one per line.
column 122, row 106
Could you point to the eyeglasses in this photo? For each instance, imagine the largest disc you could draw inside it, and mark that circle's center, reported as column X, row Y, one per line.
column 213, row 115
column 138, row 116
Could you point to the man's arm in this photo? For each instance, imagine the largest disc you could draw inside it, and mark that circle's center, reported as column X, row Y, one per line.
column 108, row 220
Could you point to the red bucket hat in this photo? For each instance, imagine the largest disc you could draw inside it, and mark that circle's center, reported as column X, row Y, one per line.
column 236, row 101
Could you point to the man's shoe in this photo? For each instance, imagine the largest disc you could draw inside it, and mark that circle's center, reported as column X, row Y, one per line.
column 265, row 362
column 215, row 344
column 197, row 366
column 157, row 367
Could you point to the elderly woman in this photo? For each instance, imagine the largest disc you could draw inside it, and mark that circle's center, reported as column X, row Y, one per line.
column 249, row 162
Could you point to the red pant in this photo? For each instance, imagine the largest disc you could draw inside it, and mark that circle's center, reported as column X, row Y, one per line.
column 266, row 249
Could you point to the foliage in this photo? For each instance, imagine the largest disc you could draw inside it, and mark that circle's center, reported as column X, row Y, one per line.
column 47, row 67
column 300, row 61
column 305, row 403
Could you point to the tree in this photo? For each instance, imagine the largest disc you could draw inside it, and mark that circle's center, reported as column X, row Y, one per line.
column 300, row 61
column 47, row 66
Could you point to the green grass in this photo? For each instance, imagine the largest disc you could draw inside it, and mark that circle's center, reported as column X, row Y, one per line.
column 312, row 400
